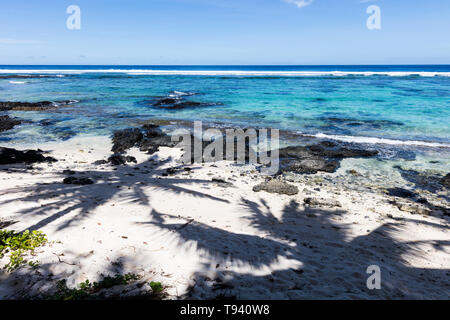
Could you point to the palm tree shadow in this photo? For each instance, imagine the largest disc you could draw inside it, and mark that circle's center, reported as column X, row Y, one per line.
column 305, row 253
column 129, row 182
column 300, row 253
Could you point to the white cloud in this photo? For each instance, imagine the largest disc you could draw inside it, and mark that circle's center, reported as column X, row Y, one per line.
column 300, row 3
column 16, row 42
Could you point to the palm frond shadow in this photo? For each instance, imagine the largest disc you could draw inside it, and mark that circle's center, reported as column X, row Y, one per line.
column 64, row 199
column 330, row 263
column 303, row 253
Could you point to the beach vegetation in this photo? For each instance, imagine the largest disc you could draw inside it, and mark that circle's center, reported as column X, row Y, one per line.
column 18, row 244
column 89, row 290
column 157, row 287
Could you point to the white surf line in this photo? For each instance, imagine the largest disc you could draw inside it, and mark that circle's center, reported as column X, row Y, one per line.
column 372, row 140
column 228, row 72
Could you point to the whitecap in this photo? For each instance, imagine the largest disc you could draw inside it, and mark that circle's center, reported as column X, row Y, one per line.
column 373, row 140
column 233, row 72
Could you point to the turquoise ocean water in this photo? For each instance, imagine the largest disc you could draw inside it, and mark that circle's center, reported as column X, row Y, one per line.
column 378, row 105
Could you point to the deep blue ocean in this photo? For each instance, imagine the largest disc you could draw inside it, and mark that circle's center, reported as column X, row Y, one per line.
column 393, row 105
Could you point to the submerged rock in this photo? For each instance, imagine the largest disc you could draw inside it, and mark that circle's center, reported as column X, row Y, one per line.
column 46, row 122
column 276, row 186
column 422, row 180
column 166, row 101
column 177, row 101
column 343, row 124
column 445, row 181
column 26, row 76
column 401, row 193
column 12, row 156
column 354, row 173
column 32, row 106
column 413, row 209
column 77, row 181
column 310, row 166
column 186, row 104
column 7, row 123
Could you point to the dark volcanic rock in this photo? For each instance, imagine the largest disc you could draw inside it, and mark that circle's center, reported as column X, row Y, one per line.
column 422, row 180
column 78, row 181
column 19, row 76
column 152, row 144
column 148, row 138
column 401, row 193
column 11, row 156
column 405, row 155
column 310, row 165
column 321, row 150
column 32, row 106
column 7, row 123
column 172, row 103
column 43, row 105
column 169, row 172
column 176, row 102
column 118, row 159
column 46, row 122
column 319, row 202
column 325, row 156
column 151, row 130
column 351, row 122
column 99, row 162
column 188, row 104
column 445, row 181
column 412, row 208
column 194, row 141
column 126, row 139
column 166, row 101
column 276, row 186
column 221, row 182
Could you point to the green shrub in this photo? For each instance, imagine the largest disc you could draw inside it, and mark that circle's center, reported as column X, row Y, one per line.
column 85, row 290
column 156, row 287
column 19, row 244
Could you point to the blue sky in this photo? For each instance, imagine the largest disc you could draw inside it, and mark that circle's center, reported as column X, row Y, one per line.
column 224, row 32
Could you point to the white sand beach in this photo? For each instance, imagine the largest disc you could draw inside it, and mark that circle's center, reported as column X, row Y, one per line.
column 204, row 233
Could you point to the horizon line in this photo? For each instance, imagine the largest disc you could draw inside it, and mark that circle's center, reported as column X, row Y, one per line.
column 232, row 65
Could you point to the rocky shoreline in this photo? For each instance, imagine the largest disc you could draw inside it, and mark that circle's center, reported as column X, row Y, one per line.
column 33, row 106
column 127, row 204
column 7, row 123
column 93, row 196
column 297, row 164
